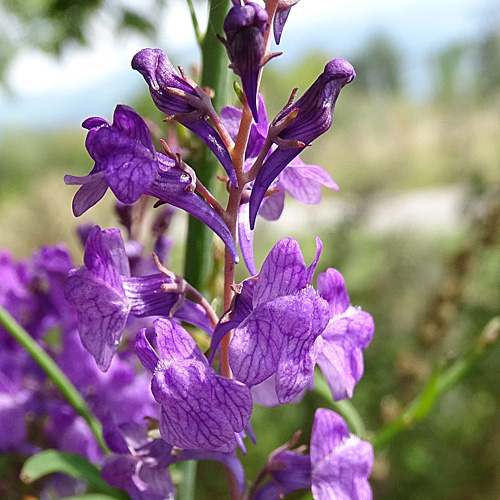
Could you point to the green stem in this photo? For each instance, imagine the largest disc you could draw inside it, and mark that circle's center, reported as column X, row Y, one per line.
column 199, row 243
column 186, row 489
column 439, row 383
column 54, row 373
column 344, row 408
column 194, row 20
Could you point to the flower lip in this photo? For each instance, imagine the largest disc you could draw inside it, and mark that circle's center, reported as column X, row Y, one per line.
column 340, row 68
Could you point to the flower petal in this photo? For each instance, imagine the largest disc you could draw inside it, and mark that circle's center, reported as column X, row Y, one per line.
column 102, row 314
column 175, row 344
column 282, row 273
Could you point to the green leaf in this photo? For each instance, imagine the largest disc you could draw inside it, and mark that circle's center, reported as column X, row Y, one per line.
column 50, row 461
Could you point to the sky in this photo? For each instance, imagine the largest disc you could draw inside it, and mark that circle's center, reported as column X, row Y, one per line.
column 49, row 92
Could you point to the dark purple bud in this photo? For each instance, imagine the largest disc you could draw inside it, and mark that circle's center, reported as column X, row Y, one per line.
column 300, row 124
column 183, row 101
column 244, row 27
column 282, row 11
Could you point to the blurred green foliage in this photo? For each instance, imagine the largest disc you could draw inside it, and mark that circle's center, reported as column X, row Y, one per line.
column 52, row 25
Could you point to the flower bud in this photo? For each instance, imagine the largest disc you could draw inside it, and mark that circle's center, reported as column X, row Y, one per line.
column 244, row 27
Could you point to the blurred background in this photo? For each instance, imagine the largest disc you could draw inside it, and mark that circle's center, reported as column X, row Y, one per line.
column 414, row 229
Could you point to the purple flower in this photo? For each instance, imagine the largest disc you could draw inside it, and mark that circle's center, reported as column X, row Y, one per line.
column 290, row 471
column 348, row 332
column 190, row 110
column 140, row 463
column 338, row 466
column 313, row 116
column 104, row 296
column 276, row 318
column 341, row 462
column 199, row 409
column 244, row 27
column 125, row 160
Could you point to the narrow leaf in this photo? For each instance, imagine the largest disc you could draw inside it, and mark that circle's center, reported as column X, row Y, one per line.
column 76, row 466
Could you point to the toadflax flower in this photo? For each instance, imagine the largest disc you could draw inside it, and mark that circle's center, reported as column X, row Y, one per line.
column 199, row 409
column 105, row 296
column 299, row 124
column 126, row 162
column 283, row 327
column 341, row 344
column 182, row 100
column 338, row 466
column 244, row 27
column 277, row 318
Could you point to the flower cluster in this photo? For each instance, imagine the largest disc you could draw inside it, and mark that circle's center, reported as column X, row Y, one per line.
column 276, row 326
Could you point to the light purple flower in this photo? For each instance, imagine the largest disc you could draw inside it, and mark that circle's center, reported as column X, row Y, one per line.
column 348, row 332
column 337, row 468
column 341, row 462
column 200, row 409
column 104, row 296
column 277, row 318
column 314, row 117
column 159, row 74
column 126, row 162
column 244, row 27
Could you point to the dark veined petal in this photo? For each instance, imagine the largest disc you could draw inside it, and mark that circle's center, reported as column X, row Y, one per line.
column 282, row 273
column 341, row 463
column 105, row 256
column 255, row 349
column 190, row 419
column 175, row 344
column 128, row 122
column 130, row 167
column 303, row 317
column 102, row 314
